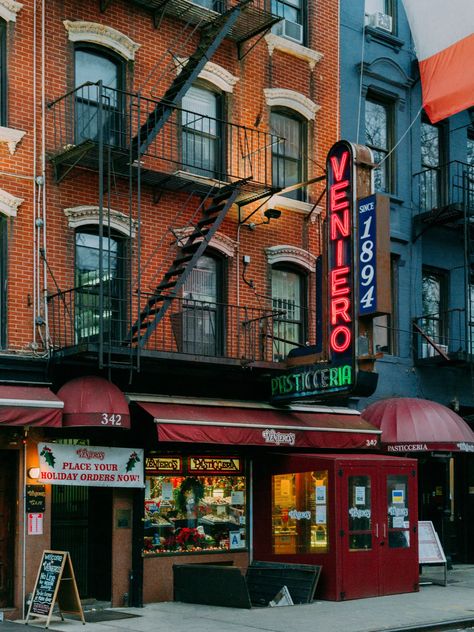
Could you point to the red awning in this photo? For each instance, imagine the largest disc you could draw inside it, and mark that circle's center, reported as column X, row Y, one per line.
column 419, row 425
column 29, row 406
column 94, row 401
column 300, row 427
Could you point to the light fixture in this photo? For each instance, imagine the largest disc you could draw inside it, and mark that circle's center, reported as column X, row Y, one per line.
column 34, row 472
column 272, row 213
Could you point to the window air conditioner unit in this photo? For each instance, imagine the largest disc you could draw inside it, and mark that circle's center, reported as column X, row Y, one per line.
column 290, row 30
column 381, row 21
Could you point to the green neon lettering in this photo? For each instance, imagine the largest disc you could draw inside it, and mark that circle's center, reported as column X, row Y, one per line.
column 333, row 381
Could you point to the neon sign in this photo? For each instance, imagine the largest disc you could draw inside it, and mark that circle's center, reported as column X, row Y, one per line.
column 340, row 163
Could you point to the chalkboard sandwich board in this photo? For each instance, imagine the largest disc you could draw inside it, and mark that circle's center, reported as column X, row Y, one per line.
column 55, row 583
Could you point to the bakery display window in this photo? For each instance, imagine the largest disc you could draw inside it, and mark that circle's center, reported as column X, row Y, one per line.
column 299, row 513
column 186, row 514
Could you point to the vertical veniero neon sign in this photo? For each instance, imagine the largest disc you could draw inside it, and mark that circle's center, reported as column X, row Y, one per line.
column 340, row 223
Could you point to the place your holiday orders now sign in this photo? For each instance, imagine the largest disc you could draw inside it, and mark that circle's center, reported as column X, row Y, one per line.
column 94, row 466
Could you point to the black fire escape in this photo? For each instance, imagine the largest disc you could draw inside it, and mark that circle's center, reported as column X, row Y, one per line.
column 129, row 136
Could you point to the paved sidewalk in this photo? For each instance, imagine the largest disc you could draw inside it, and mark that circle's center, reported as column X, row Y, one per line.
column 431, row 606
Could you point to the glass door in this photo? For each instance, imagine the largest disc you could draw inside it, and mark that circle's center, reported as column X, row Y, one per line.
column 360, row 533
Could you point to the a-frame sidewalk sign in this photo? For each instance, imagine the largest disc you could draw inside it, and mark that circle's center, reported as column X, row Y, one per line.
column 55, row 583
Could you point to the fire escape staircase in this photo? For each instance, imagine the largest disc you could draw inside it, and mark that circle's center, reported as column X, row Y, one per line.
column 212, row 36
column 173, row 280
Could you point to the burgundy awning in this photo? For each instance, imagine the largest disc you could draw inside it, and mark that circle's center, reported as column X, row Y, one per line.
column 419, row 425
column 29, row 406
column 94, row 401
column 233, row 425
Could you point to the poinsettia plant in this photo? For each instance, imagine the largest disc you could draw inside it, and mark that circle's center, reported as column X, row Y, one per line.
column 189, row 536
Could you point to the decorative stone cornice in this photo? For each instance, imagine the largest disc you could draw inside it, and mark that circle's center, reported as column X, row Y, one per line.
column 9, row 9
column 9, row 203
column 283, row 44
column 281, row 97
column 87, row 215
column 96, row 33
column 291, row 254
column 213, row 73
column 11, row 137
column 220, row 242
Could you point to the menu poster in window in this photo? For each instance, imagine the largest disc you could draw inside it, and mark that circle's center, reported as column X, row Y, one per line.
column 55, row 583
column 320, row 494
column 321, row 517
column 359, row 495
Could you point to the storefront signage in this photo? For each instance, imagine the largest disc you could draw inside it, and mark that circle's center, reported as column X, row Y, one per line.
column 35, row 524
column 367, row 249
column 299, row 515
column 95, row 466
column 312, row 380
column 163, row 464
column 270, row 435
column 214, row 465
column 340, row 175
column 354, row 512
column 465, row 447
column 35, row 499
column 407, row 447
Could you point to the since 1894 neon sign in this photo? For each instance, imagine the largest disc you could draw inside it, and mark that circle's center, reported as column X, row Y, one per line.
column 340, row 169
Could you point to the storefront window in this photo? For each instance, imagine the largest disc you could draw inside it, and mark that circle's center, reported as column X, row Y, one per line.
column 186, row 514
column 360, row 513
column 299, row 513
column 398, row 516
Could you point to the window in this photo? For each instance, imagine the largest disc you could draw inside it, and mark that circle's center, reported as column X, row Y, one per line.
column 202, row 147
column 3, row 281
column 430, row 183
column 288, row 156
column 289, row 301
column 291, row 26
column 3, row 72
column 379, row 137
column 386, row 326
column 379, row 6
column 299, row 513
column 88, row 316
column 470, row 169
column 93, row 65
column 198, row 328
column 187, row 514
column 434, row 304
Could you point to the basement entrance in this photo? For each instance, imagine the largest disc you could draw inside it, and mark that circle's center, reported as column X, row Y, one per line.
column 8, row 469
column 82, row 524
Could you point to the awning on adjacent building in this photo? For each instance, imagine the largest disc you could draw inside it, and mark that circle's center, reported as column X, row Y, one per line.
column 94, row 401
column 419, row 425
column 29, row 406
column 251, row 424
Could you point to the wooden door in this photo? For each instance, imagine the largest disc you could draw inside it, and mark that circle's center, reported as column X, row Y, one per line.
column 8, row 488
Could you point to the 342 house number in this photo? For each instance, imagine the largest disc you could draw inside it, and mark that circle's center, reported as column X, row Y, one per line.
column 111, row 419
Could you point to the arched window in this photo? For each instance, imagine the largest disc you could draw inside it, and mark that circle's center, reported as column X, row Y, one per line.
column 202, row 134
column 289, row 301
column 202, row 314
column 288, row 156
column 92, row 64
column 88, row 272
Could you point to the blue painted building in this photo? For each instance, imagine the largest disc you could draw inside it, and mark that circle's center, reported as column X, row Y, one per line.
column 428, row 172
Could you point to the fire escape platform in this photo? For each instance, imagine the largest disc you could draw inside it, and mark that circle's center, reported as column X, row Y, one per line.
column 253, row 20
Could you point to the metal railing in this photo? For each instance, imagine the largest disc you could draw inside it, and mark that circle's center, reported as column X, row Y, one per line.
column 448, row 185
column 448, row 330
column 190, row 327
column 188, row 142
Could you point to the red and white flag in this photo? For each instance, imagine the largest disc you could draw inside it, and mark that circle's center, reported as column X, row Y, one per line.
column 443, row 31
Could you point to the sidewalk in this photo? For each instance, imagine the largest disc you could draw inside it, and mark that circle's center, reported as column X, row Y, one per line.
column 432, row 606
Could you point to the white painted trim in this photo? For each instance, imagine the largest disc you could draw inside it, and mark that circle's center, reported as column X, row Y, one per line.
column 31, row 403
column 9, row 203
column 9, row 9
column 81, row 31
column 283, row 44
column 291, row 254
column 86, row 215
column 212, row 73
column 287, row 204
column 11, row 137
column 220, row 242
column 281, row 97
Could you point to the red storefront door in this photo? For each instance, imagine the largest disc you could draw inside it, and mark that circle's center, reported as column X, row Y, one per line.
column 378, row 538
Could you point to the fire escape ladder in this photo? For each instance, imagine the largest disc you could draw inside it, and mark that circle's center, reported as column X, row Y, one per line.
column 431, row 342
column 173, row 280
column 212, row 36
